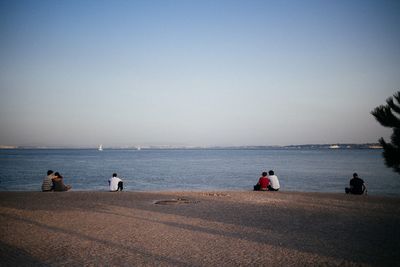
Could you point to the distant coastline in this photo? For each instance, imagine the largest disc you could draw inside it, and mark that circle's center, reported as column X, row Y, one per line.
column 167, row 147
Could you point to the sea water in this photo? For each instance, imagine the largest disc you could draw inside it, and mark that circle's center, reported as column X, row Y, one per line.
column 313, row 170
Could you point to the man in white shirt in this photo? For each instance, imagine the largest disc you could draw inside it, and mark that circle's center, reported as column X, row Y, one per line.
column 115, row 183
column 273, row 181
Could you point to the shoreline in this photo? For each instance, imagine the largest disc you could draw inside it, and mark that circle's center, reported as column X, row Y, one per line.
column 178, row 190
column 198, row 228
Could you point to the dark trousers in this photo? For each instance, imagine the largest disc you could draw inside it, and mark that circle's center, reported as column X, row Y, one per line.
column 272, row 189
column 354, row 192
column 257, row 187
column 120, row 186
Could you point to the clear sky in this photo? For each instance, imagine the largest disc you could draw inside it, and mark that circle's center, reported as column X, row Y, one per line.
column 202, row 73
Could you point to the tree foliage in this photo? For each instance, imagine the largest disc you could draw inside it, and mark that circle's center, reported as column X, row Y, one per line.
column 389, row 116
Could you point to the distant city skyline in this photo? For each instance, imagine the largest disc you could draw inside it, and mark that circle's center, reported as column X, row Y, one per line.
column 196, row 73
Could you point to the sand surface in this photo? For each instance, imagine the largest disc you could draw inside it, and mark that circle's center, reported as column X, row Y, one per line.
column 201, row 229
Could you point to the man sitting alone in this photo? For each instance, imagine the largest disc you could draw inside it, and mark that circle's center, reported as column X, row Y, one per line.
column 357, row 186
column 115, row 183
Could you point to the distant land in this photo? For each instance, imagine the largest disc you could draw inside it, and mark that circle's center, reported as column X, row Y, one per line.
column 307, row 146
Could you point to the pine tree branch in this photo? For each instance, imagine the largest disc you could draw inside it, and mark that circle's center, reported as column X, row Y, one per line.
column 395, row 138
column 390, row 155
column 397, row 96
column 384, row 115
column 392, row 105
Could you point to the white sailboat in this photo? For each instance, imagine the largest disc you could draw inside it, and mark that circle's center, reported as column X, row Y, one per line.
column 100, row 148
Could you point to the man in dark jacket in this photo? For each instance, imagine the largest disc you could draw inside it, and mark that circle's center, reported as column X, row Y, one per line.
column 357, row 186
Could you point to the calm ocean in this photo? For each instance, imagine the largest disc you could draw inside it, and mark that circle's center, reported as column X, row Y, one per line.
column 164, row 170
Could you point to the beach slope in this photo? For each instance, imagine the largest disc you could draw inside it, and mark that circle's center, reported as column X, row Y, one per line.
column 198, row 229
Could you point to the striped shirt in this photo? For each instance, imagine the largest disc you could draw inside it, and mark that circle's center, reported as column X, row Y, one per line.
column 47, row 184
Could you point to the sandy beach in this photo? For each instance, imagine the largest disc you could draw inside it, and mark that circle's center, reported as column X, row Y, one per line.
column 198, row 229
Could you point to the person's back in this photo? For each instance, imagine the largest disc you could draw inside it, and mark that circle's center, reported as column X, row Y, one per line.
column 47, row 184
column 59, row 185
column 263, row 183
column 357, row 186
column 115, row 183
column 273, row 181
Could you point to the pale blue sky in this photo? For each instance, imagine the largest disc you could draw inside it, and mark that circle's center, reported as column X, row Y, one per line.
column 125, row 73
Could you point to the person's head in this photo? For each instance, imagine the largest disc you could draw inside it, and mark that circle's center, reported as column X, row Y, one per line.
column 114, row 174
column 264, row 174
column 271, row 172
column 57, row 174
column 355, row 175
column 49, row 172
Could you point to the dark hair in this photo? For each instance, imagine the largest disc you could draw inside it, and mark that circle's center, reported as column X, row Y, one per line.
column 355, row 175
column 271, row 172
column 264, row 174
column 49, row 172
column 114, row 174
column 58, row 175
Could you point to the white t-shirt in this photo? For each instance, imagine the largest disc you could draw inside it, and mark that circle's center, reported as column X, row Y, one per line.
column 114, row 183
column 274, row 181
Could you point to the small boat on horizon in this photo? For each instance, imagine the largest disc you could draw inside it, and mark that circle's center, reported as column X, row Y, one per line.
column 100, row 148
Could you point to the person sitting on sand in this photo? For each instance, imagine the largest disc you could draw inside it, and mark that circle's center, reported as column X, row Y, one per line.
column 47, row 184
column 263, row 183
column 58, row 183
column 273, row 181
column 357, row 186
column 115, row 183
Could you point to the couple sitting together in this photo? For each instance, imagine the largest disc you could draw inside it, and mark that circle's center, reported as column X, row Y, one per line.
column 54, row 182
column 267, row 183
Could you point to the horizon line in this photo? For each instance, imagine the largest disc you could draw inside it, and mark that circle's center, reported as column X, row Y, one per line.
column 329, row 145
